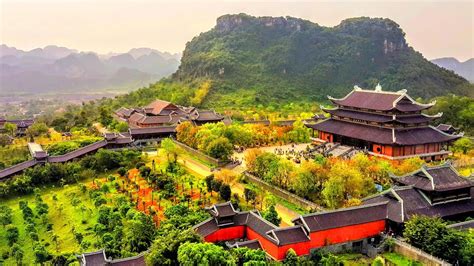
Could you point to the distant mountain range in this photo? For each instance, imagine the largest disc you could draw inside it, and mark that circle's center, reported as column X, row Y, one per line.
column 59, row 69
column 464, row 69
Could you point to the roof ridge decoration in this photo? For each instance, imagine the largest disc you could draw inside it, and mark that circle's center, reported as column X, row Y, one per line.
column 264, row 220
column 440, row 114
column 401, row 203
column 273, row 236
column 378, row 88
column 428, row 175
column 356, row 88
column 413, row 101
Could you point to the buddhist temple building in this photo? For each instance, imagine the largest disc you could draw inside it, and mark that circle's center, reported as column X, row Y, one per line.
column 431, row 191
column 163, row 113
column 386, row 124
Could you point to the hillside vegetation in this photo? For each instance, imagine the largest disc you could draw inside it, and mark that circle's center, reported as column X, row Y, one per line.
column 254, row 60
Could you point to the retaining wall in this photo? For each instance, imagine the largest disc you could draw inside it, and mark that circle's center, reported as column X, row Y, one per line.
column 417, row 254
column 199, row 154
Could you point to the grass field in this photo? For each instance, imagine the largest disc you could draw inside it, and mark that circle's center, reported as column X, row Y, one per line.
column 400, row 260
column 62, row 215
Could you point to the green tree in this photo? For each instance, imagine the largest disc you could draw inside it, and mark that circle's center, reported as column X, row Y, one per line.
column 225, row 192
column 10, row 128
column 433, row 236
column 331, row 260
column 291, row 258
column 5, row 215
column 170, row 149
column 220, row 148
column 12, row 234
column 204, row 254
column 4, row 140
column 463, row 145
column 41, row 254
column 164, row 250
column 139, row 232
column 246, row 256
column 250, row 195
column 17, row 253
column 271, row 215
column 37, row 129
column 333, row 192
column 467, row 252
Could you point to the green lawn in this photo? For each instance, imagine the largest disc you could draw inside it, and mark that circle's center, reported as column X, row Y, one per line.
column 62, row 215
column 400, row 260
column 354, row 259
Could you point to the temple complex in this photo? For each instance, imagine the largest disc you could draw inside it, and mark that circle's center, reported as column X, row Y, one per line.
column 163, row 113
column 385, row 124
column 431, row 191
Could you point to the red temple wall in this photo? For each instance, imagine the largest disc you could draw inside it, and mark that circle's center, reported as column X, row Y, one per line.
column 317, row 239
column 301, row 249
column 418, row 149
column 266, row 244
column 346, row 233
column 326, row 136
column 278, row 252
column 225, row 234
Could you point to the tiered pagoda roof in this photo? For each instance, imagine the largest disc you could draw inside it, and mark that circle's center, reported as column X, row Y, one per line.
column 379, row 100
column 382, row 117
column 382, row 135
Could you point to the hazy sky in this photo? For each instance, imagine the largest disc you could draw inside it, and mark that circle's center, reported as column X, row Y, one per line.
column 435, row 28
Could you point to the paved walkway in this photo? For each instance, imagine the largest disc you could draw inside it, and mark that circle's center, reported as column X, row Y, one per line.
column 288, row 147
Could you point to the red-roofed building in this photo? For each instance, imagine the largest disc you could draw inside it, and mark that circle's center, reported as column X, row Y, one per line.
column 386, row 124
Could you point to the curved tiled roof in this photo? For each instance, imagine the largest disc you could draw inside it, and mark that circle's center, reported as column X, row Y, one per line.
column 380, row 100
column 348, row 216
column 158, row 106
column 435, row 178
column 412, row 136
column 381, row 118
column 290, row 235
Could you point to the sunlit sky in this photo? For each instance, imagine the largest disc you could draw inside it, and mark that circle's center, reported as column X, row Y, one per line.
column 436, row 29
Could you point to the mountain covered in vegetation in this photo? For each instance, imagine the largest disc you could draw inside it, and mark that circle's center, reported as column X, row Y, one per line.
column 257, row 60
